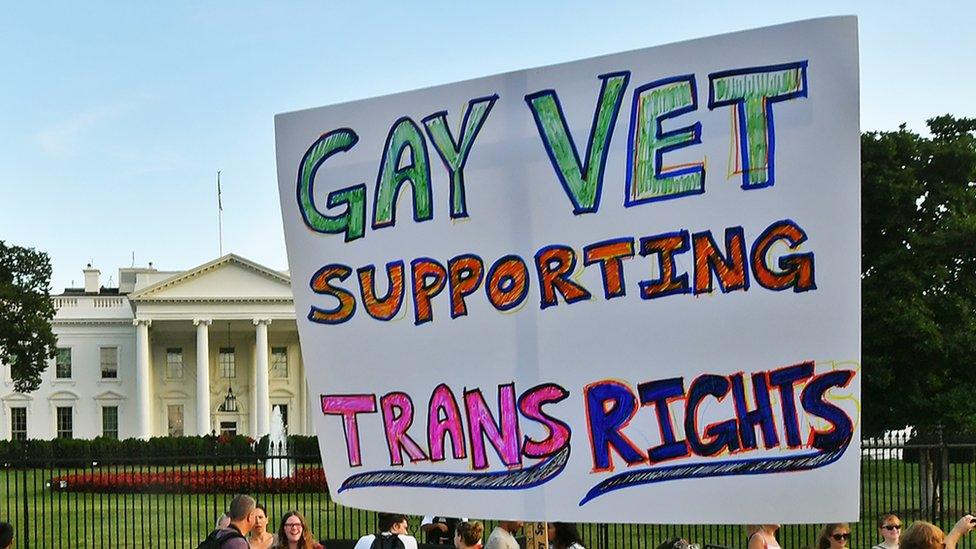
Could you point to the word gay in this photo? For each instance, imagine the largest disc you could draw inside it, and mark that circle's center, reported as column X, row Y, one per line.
column 750, row 92
column 506, row 282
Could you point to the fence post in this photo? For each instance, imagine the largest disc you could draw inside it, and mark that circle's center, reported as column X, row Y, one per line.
column 25, row 540
column 924, row 483
column 941, row 476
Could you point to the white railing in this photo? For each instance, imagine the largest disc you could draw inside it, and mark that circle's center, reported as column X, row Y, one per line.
column 95, row 302
column 62, row 302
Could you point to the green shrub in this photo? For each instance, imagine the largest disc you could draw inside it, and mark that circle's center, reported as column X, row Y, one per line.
column 157, row 450
column 305, row 449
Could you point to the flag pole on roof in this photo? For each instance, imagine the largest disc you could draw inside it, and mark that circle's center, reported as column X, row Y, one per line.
column 220, row 220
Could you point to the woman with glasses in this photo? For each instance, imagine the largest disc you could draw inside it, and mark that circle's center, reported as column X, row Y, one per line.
column 924, row 535
column 889, row 526
column 294, row 533
column 834, row 536
column 762, row 536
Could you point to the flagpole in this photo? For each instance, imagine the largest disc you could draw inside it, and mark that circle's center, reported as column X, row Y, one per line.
column 220, row 219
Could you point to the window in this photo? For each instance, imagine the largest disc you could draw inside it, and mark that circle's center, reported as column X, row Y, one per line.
column 174, row 420
column 228, row 368
column 64, row 422
column 110, row 422
column 62, row 368
column 18, row 423
column 279, row 362
column 228, row 428
column 174, row 363
column 109, row 358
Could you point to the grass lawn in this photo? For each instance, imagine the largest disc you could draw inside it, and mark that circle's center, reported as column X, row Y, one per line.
column 58, row 519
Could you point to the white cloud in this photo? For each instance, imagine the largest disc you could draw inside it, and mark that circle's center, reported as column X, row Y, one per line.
column 63, row 139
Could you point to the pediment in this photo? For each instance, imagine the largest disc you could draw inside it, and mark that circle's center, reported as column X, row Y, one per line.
column 281, row 393
column 17, row 397
column 230, row 278
column 109, row 395
column 63, row 395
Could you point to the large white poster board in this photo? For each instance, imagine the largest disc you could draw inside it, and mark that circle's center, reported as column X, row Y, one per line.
column 621, row 289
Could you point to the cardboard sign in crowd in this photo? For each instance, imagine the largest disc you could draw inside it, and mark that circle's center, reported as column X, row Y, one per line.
column 621, row 289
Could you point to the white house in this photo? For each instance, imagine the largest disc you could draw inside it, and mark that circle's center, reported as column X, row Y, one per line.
column 210, row 349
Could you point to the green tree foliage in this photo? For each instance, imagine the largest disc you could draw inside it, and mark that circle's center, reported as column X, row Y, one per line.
column 919, row 277
column 26, row 340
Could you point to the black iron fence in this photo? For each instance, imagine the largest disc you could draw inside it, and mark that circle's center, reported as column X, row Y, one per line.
column 169, row 503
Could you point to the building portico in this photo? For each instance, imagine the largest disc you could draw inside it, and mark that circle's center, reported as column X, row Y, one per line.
column 199, row 363
column 211, row 333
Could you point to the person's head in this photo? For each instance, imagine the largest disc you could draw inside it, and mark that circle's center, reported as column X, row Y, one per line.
column 392, row 522
column 511, row 525
column 564, row 534
column 676, row 543
column 223, row 521
column 889, row 526
column 241, row 513
column 260, row 520
column 6, row 535
column 834, row 536
column 294, row 530
column 921, row 535
column 468, row 534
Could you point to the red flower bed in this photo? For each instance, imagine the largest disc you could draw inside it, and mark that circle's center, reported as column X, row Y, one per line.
column 226, row 481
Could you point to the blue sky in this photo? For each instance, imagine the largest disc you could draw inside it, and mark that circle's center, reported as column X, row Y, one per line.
column 116, row 116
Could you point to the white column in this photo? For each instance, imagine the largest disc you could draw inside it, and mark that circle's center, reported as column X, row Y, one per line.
column 252, row 396
column 143, row 404
column 203, row 375
column 261, row 390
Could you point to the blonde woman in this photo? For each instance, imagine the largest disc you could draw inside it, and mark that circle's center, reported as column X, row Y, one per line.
column 467, row 535
column 762, row 536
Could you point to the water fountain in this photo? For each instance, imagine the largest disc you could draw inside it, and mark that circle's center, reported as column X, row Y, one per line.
column 274, row 466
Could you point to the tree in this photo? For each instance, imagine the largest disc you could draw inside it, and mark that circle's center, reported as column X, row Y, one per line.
column 918, row 276
column 26, row 340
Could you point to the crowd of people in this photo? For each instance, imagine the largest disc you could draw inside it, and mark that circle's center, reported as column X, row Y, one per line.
column 245, row 526
column 919, row 535
column 393, row 532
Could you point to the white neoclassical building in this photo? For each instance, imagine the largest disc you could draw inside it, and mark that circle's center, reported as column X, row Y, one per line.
column 210, row 349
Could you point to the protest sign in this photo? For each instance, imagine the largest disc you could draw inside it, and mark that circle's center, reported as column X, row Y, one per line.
column 621, row 289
